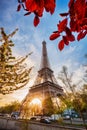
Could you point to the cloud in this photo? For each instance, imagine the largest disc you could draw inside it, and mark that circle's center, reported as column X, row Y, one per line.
column 79, row 74
column 70, row 50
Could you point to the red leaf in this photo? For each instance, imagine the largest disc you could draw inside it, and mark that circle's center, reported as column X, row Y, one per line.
column 84, row 21
column 35, row 6
column 64, row 14
column 84, row 27
column 62, row 25
column 54, row 36
column 49, row 5
column 80, row 8
column 31, row 5
column 55, row 32
column 23, row 0
column 65, row 39
column 71, row 2
column 71, row 38
column 19, row 7
column 61, row 45
column 36, row 21
column 28, row 13
column 40, row 7
column 81, row 35
column 68, row 31
column 74, row 25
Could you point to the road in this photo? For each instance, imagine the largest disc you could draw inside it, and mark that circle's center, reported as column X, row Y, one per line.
column 75, row 121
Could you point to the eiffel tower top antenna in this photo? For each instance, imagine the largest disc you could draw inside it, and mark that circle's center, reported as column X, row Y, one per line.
column 44, row 59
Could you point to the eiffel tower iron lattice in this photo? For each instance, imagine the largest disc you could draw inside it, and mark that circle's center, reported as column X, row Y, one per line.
column 45, row 83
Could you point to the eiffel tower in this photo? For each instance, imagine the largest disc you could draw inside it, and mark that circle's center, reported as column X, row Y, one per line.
column 45, row 83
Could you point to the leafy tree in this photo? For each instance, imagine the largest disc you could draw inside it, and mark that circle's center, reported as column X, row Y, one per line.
column 72, row 98
column 47, row 105
column 83, row 95
column 13, row 106
column 26, row 111
column 69, row 87
column 74, row 20
column 67, row 100
column 66, row 79
column 79, row 106
column 13, row 72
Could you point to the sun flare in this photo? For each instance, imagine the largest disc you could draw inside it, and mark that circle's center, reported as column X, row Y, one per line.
column 36, row 101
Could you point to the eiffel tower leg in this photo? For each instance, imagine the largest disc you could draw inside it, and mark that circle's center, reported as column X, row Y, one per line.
column 24, row 104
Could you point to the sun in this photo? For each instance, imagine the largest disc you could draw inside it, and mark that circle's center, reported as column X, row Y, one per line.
column 36, row 101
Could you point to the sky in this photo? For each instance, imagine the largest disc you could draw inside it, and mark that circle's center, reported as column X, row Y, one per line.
column 29, row 39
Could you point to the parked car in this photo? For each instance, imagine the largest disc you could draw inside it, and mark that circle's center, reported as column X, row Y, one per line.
column 15, row 115
column 1, row 114
column 33, row 118
column 70, row 113
column 55, row 117
column 47, row 121
column 66, row 116
column 75, row 115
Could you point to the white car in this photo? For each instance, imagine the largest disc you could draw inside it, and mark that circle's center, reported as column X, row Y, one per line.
column 15, row 115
